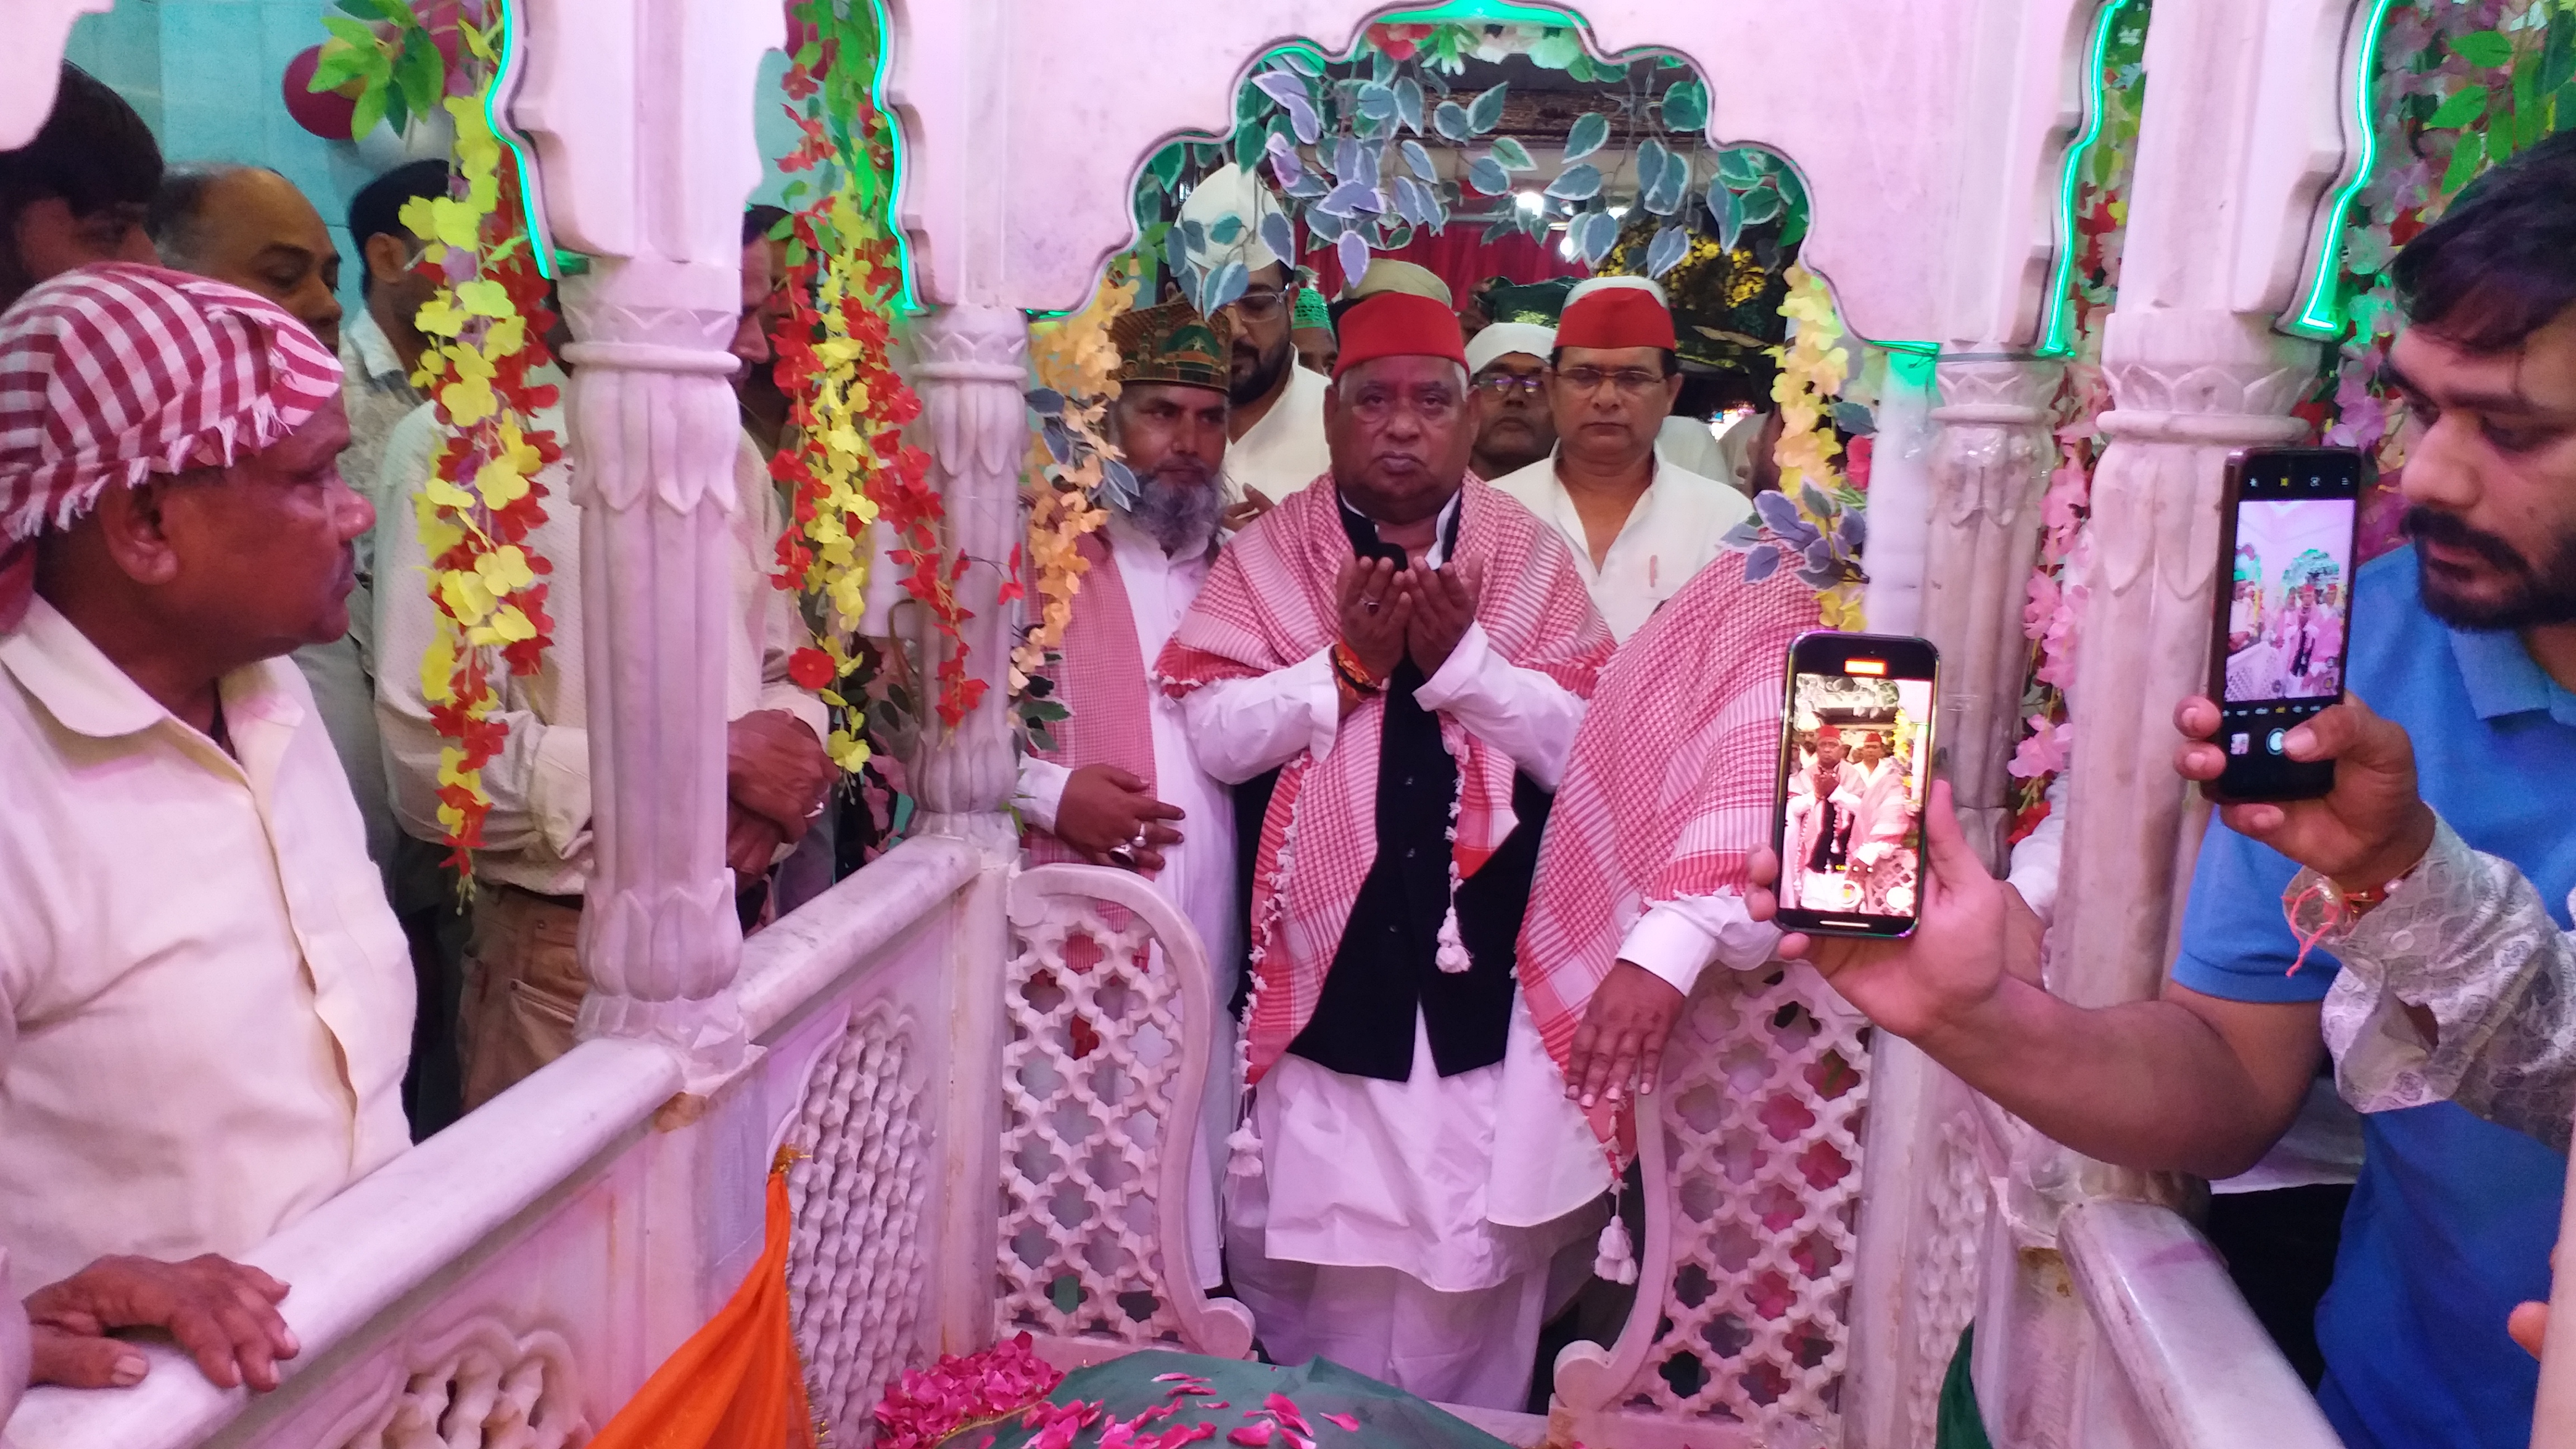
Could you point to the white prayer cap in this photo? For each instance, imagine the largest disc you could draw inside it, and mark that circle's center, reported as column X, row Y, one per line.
column 1505, row 338
column 1229, row 191
column 1587, row 287
column 1386, row 274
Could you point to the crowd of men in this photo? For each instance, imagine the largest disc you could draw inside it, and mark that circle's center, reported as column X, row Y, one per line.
column 1411, row 671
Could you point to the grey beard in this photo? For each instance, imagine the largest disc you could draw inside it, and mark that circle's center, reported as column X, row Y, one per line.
column 1177, row 506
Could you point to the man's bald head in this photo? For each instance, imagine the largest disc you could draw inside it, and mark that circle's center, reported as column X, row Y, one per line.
column 251, row 227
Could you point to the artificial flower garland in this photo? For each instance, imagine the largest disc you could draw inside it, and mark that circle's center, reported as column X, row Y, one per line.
column 850, row 469
column 1814, row 523
column 1069, row 457
column 486, row 327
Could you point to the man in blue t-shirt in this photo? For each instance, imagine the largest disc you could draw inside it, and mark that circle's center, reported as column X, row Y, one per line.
column 2468, row 640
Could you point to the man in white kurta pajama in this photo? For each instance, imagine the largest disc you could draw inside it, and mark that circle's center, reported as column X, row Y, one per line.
column 1121, row 786
column 1410, row 651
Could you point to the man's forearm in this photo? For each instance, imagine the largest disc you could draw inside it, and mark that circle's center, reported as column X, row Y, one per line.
column 2147, row 1085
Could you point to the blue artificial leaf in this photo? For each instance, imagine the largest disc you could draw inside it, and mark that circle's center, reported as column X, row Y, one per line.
column 1059, row 443
column 1354, row 254
column 1761, row 204
column 1284, row 165
column 1119, row 482
column 1308, row 187
column 1279, row 234
column 1227, row 231
column 1819, row 554
column 1377, row 102
column 1591, row 132
column 1406, row 193
column 1304, row 62
column 1344, row 159
column 1655, row 190
column 1176, row 254
column 1855, row 419
column 1813, row 500
column 1046, row 402
column 1740, row 166
column 1227, row 284
column 1761, row 564
column 1450, row 120
column 1600, row 232
column 1408, row 104
column 1354, row 197
column 1820, row 579
column 1301, row 114
column 1670, row 246
column 1852, row 531
column 1194, row 236
column 1487, row 175
column 1730, row 216
column 1487, row 112
column 1283, row 86
column 1742, row 536
column 1575, row 183
column 1418, row 156
column 1778, row 512
column 1513, row 155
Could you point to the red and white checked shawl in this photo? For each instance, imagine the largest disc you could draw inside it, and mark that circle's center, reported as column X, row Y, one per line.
column 1669, row 787
column 112, row 373
column 1269, row 604
column 1101, row 678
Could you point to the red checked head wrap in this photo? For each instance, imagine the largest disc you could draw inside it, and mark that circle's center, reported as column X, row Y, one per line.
column 112, row 373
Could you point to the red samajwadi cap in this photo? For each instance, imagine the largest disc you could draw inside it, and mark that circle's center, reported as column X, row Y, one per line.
column 1610, row 317
column 1399, row 324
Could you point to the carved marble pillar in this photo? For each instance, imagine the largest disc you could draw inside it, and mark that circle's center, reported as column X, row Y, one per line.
column 2189, row 388
column 1989, row 469
column 971, row 374
column 655, row 429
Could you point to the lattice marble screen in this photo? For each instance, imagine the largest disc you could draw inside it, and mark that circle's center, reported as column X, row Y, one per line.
column 854, row 1270
column 480, row 1387
column 1761, row 1115
column 1087, row 1081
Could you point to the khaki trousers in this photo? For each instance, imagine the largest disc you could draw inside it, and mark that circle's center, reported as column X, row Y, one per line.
column 523, row 988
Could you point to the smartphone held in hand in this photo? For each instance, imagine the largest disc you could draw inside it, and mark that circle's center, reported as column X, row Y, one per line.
column 1855, row 763
column 2283, row 613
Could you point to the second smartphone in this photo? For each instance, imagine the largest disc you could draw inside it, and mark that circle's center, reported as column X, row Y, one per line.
column 1855, row 761
column 2283, row 614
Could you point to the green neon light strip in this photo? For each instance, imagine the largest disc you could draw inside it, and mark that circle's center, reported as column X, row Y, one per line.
column 2057, row 328
column 2321, row 316
column 907, row 297
column 504, row 76
column 1492, row 12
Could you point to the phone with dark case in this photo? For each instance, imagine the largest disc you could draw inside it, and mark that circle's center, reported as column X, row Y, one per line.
column 1855, row 761
column 2283, row 612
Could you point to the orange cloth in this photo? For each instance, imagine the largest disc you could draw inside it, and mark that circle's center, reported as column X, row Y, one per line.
column 736, row 1384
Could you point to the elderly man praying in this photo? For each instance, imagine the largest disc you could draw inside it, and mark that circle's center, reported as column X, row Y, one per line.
column 204, row 1000
column 1409, row 652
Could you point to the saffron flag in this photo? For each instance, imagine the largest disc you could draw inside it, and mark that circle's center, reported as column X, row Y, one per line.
column 736, row 1384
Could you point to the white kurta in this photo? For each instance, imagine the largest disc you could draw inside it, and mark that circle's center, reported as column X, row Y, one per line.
column 1676, row 529
column 1286, row 450
column 1198, row 875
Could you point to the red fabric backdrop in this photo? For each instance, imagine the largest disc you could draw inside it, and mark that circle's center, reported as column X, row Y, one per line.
column 1464, row 259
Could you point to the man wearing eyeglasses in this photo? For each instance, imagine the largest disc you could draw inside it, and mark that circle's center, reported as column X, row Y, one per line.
column 1277, row 407
column 1640, row 526
column 1513, row 426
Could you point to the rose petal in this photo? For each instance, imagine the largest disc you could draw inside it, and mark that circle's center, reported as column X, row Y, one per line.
column 1346, row 1422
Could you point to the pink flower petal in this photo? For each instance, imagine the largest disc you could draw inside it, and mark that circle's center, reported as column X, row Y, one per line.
column 1346, row 1422
column 1251, row 1436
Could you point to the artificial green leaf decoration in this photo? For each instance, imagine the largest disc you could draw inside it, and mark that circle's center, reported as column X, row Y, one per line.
column 1377, row 102
column 1576, row 183
column 1408, row 104
column 2485, row 49
column 1487, row 113
column 1513, row 155
column 2465, row 105
column 1591, row 131
column 1556, row 50
column 1450, row 120
column 1418, row 157
column 1670, row 246
column 1487, row 175
column 1686, row 106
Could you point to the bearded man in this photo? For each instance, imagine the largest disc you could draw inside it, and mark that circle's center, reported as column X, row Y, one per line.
column 1121, row 786
column 204, row 999
column 1276, row 423
column 1410, row 651
column 1640, row 525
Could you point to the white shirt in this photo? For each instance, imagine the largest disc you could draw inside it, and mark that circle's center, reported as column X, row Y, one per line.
column 1462, row 1182
column 1198, row 874
column 1696, row 447
column 538, row 836
column 1286, row 450
column 205, row 1003
column 1676, row 529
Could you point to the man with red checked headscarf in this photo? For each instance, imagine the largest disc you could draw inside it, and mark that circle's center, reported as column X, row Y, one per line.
column 1406, row 653
column 205, row 1003
column 1668, row 790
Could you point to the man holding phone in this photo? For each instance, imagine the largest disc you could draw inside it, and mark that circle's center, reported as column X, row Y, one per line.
column 2468, row 641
